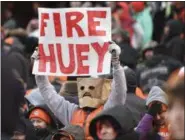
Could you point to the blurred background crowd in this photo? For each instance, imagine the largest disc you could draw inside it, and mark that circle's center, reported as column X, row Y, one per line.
column 151, row 36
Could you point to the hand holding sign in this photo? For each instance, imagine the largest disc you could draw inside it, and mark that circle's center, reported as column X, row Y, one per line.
column 35, row 55
column 115, row 51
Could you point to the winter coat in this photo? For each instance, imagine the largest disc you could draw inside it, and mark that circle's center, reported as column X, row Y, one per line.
column 137, row 105
column 144, row 18
column 35, row 98
column 172, row 42
column 134, row 103
column 76, row 132
column 120, row 116
column 12, row 96
column 145, row 126
column 175, row 48
column 26, row 127
column 5, row 136
column 63, row 109
column 83, row 117
column 175, row 29
column 19, row 62
column 155, row 71
column 46, row 134
column 128, row 56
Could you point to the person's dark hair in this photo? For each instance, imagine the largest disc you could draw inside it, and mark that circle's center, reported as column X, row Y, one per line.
column 118, row 6
column 131, row 80
column 99, row 3
column 116, row 126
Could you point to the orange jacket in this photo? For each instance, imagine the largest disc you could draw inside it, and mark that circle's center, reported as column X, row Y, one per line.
column 140, row 94
column 164, row 132
column 81, row 118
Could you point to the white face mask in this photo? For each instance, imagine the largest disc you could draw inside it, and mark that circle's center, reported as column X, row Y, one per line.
column 93, row 92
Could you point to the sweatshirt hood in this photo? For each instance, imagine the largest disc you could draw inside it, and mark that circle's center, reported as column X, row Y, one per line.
column 119, row 115
column 156, row 94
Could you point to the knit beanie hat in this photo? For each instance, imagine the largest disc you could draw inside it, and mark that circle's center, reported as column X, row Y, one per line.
column 156, row 94
column 39, row 113
column 138, row 6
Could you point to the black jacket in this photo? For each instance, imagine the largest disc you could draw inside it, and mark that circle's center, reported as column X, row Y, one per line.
column 19, row 62
column 128, row 56
column 175, row 48
column 174, row 45
column 155, row 71
column 26, row 127
column 136, row 105
column 120, row 116
column 77, row 132
column 12, row 96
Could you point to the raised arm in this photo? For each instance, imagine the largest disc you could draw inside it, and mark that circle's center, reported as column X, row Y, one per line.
column 62, row 109
column 146, row 123
column 119, row 89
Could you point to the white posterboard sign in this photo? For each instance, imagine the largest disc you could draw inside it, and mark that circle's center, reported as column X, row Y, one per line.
column 73, row 42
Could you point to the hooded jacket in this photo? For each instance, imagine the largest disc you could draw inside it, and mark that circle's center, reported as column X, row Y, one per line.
column 146, row 123
column 121, row 116
column 176, row 49
column 175, row 29
column 173, row 43
column 135, row 103
column 75, row 131
column 54, row 121
column 155, row 71
column 156, row 94
column 26, row 127
column 35, row 98
column 46, row 134
column 64, row 110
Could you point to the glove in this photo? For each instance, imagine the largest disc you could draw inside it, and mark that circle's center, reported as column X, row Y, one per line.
column 35, row 55
column 41, row 80
column 154, row 109
column 115, row 51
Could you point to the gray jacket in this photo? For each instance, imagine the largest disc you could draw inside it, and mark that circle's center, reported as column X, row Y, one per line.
column 63, row 109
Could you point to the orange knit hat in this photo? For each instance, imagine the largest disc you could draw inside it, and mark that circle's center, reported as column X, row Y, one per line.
column 39, row 113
